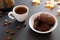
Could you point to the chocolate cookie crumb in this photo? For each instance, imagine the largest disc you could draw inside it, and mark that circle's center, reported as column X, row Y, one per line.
column 18, row 27
column 6, row 22
column 7, row 31
column 9, row 38
column 12, row 33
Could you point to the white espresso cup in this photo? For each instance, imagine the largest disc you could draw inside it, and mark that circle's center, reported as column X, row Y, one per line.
column 21, row 16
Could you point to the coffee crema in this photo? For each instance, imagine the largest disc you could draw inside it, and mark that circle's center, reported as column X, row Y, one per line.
column 21, row 10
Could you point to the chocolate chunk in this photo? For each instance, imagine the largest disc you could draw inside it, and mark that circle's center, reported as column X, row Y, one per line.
column 18, row 27
column 12, row 33
column 47, row 18
column 6, row 22
column 9, row 22
column 9, row 38
column 7, row 31
column 42, row 17
column 50, row 19
column 36, row 23
column 44, row 27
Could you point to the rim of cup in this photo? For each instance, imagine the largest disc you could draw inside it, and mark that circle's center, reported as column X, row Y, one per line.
column 21, row 6
column 31, row 23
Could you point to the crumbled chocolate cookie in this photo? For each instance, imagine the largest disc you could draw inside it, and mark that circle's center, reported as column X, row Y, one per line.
column 44, row 22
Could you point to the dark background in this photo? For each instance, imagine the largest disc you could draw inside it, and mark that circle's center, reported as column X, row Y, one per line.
column 25, row 33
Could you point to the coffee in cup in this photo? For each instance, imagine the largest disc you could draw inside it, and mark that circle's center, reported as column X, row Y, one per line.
column 20, row 10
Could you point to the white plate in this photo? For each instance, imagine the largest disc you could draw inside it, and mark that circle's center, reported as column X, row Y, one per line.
column 31, row 23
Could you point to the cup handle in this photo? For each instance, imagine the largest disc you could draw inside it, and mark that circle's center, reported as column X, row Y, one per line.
column 10, row 14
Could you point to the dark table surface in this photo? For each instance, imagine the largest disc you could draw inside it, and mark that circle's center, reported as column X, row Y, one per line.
column 25, row 33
